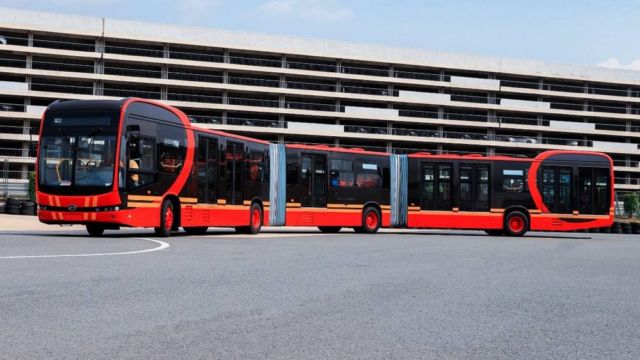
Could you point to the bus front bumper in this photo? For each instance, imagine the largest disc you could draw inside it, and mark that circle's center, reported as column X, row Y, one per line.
column 126, row 217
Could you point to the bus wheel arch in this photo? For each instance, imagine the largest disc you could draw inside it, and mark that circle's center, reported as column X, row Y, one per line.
column 169, row 211
column 516, row 221
column 256, row 218
column 371, row 219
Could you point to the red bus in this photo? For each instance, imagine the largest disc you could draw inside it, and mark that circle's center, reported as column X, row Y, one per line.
column 139, row 163
column 556, row 191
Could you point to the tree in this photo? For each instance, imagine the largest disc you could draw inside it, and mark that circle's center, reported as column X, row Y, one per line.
column 631, row 204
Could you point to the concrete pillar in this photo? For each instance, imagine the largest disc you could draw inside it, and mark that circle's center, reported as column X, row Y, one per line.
column 224, row 118
column 226, row 56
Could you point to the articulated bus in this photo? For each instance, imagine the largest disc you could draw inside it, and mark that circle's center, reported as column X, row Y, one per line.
column 108, row 164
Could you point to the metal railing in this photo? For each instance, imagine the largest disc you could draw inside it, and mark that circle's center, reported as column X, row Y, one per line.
column 212, row 56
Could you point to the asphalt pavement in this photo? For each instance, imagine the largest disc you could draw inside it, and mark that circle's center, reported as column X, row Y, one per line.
column 287, row 295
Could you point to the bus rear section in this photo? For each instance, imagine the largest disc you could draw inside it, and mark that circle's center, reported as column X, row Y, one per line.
column 132, row 162
column 332, row 188
column 556, row 191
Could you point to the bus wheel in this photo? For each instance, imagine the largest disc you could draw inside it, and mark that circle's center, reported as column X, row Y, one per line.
column 196, row 230
column 255, row 221
column 371, row 220
column 516, row 223
column 330, row 229
column 95, row 229
column 494, row 232
column 167, row 219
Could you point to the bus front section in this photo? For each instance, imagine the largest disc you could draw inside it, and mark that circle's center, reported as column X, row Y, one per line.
column 77, row 177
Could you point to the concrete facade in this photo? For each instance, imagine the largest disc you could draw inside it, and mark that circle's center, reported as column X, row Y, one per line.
column 354, row 95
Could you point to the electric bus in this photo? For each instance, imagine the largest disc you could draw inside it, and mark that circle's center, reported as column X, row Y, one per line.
column 139, row 163
column 108, row 164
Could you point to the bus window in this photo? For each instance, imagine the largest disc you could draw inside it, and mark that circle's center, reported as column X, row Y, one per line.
column 292, row 169
column 206, row 165
column 556, row 189
column 564, row 191
column 482, row 188
column 428, row 187
column 368, row 176
column 466, row 203
column 512, row 180
column 549, row 187
column 341, row 173
column 255, row 166
column 602, row 202
column 235, row 160
column 585, row 198
column 141, row 168
column 443, row 199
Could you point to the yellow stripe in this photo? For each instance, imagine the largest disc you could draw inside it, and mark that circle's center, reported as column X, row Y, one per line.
column 189, row 200
column 413, row 208
column 95, row 201
column 497, row 210
column 385, row 207
column 55, row 217
column 222, row 201
column 344, row 206
column 143, row 204
column 57, row 201
column 294, row 204
column 144, row 198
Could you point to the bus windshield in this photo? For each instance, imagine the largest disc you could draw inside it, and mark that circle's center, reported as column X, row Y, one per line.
column 77, row 153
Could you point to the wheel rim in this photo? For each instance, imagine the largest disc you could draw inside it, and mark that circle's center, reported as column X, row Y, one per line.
column 168, row 218
column 516, row 224
column 371, row 220
column 255, row 218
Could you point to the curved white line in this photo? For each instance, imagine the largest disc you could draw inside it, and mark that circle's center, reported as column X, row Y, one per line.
column 163, row 245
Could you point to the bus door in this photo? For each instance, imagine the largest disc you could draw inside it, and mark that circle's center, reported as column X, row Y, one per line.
column 474, row 187
column 235, row 172
column 436, row 193
column 206, row 169
column 557, row 185
column 313, row 176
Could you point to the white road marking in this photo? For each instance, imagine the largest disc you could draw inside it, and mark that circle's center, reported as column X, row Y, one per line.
column 162, row 245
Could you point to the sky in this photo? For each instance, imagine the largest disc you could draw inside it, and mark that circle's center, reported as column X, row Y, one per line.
column 589, row 32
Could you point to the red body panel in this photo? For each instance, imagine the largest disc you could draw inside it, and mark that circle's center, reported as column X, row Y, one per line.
column 329, row 217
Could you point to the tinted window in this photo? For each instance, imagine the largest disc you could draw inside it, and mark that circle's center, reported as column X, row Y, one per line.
column 513, row 180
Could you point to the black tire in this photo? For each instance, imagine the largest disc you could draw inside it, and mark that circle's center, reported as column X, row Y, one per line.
column 371, row 221
column 255, row 221
column 167, row 214
column 330, row 229
column 516, row 223
column 95, row 229
column 28, row 211
column 198, row 230
column 13, row 209
column 493, row 232
column 13, row 202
